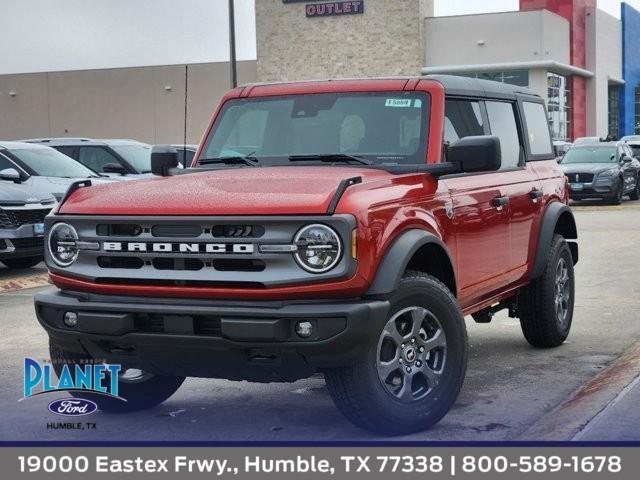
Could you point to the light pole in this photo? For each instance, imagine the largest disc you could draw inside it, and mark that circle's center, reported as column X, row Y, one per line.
column 232, row 45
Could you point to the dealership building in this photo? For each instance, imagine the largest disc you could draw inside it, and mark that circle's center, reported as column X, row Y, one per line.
column 583, row 61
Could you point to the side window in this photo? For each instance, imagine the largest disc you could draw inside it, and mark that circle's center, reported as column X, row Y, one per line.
column 4, row 163
column 68, row 151
column 502, row 120
column 537, row 129
column 96, row 158
column 462, row 118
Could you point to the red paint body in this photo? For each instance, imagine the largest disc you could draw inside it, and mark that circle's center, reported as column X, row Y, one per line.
column 492, row 250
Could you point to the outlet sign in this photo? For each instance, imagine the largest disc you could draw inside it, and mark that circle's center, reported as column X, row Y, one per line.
column 330, row 9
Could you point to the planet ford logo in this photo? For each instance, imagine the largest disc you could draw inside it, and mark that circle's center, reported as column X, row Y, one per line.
column 72, row 407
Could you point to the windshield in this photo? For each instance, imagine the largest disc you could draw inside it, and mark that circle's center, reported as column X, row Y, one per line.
column 591, row 155
column 48, row 162
column 635, row 149
column 384, row 128
column 139, row 155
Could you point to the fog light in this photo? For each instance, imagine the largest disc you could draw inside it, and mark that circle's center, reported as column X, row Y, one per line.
column 71, row 319
column 304, row 329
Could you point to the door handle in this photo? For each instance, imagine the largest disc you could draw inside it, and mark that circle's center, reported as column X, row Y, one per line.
column 535, row 194
column 500, row 202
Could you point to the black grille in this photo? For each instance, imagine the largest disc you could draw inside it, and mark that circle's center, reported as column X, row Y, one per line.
column 28, row 243
column 238, row 231
column 199, row 324
column 16, row 218
column 580, row 177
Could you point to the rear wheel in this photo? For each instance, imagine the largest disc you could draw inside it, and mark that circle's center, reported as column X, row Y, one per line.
column 412, row 372
column 546, row 305
column 141, row 390
column 19, row 263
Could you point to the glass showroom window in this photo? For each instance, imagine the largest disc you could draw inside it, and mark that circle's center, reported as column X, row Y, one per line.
column 512, row 77
column 637, row 112
column 614, row 111
column 558, row 106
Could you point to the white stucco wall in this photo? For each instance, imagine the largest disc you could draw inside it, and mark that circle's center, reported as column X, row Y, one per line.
column 507, row 37
column 604, row 58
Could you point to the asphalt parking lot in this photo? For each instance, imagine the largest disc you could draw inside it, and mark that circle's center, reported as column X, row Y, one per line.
column 512, row 391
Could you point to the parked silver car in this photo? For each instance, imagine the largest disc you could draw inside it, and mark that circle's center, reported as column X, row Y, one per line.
column 22, row 212
column 44, row 169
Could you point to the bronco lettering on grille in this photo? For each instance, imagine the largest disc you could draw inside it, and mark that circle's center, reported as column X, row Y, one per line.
column 178, row 247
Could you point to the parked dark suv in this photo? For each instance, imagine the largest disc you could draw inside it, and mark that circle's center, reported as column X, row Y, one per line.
column 119, row 157
column 606, row 170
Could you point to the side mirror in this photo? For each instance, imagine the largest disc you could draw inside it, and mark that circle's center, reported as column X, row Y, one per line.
column 163, row 158
column 476, row 154
column 10, row 174
column 114, row 168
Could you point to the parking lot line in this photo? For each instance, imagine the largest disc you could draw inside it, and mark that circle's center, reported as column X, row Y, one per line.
column 566, row 421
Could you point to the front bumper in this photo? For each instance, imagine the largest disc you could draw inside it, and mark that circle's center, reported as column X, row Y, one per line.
column 601, row 188
column 246, row 340
column 21, row 242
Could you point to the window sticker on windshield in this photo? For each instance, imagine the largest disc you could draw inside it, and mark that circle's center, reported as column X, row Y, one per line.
column 398, row 102
column 417, row 103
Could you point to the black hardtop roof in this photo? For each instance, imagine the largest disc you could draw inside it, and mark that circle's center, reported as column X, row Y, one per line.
column 453, row 85
column 476, row 87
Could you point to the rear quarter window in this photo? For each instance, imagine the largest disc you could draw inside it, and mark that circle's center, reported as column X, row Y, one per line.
column 537, row 129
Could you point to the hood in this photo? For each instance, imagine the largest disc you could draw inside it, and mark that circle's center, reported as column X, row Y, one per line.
column 233, row 191
column 57, row 186
column 20, row 194
column 587, row 167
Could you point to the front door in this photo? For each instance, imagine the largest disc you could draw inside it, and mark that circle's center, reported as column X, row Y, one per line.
column 480, row 211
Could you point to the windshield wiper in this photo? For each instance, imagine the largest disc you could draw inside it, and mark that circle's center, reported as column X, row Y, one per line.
column 248, row 159
column 330, row 158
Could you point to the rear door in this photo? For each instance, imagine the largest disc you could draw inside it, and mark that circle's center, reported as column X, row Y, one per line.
column 520, row 183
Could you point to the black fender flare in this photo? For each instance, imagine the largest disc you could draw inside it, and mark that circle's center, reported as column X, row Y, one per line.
column 398, row 256
column 555, row 212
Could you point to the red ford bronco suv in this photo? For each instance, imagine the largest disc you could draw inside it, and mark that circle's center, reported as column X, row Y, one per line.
column 342, row 227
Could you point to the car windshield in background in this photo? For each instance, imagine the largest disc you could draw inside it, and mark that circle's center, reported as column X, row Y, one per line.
column 635, row 149
column 590, row 155
column 48, row 162
column 139, row 156
column 383, row 128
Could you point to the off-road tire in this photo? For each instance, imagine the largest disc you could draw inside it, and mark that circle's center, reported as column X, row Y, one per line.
column 359, row 393
column 21, row 263
column 537, row 301
column 635, row 194
column 139, row 395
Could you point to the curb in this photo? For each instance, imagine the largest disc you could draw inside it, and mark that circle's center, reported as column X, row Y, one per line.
column 569, row 418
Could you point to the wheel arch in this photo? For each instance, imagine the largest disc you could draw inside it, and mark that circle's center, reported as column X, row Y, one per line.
column 557, row 219
column 414, row 249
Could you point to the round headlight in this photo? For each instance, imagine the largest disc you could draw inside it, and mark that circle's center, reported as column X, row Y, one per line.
column 319, row 248
column 63, row 244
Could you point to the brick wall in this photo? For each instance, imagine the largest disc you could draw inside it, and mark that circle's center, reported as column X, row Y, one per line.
column 385, row 40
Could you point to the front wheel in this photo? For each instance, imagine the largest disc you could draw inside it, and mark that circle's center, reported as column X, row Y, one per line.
column 616, row 198
column 412, row 372
column 546, row 305
column 635, row 193
column 141, row 390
